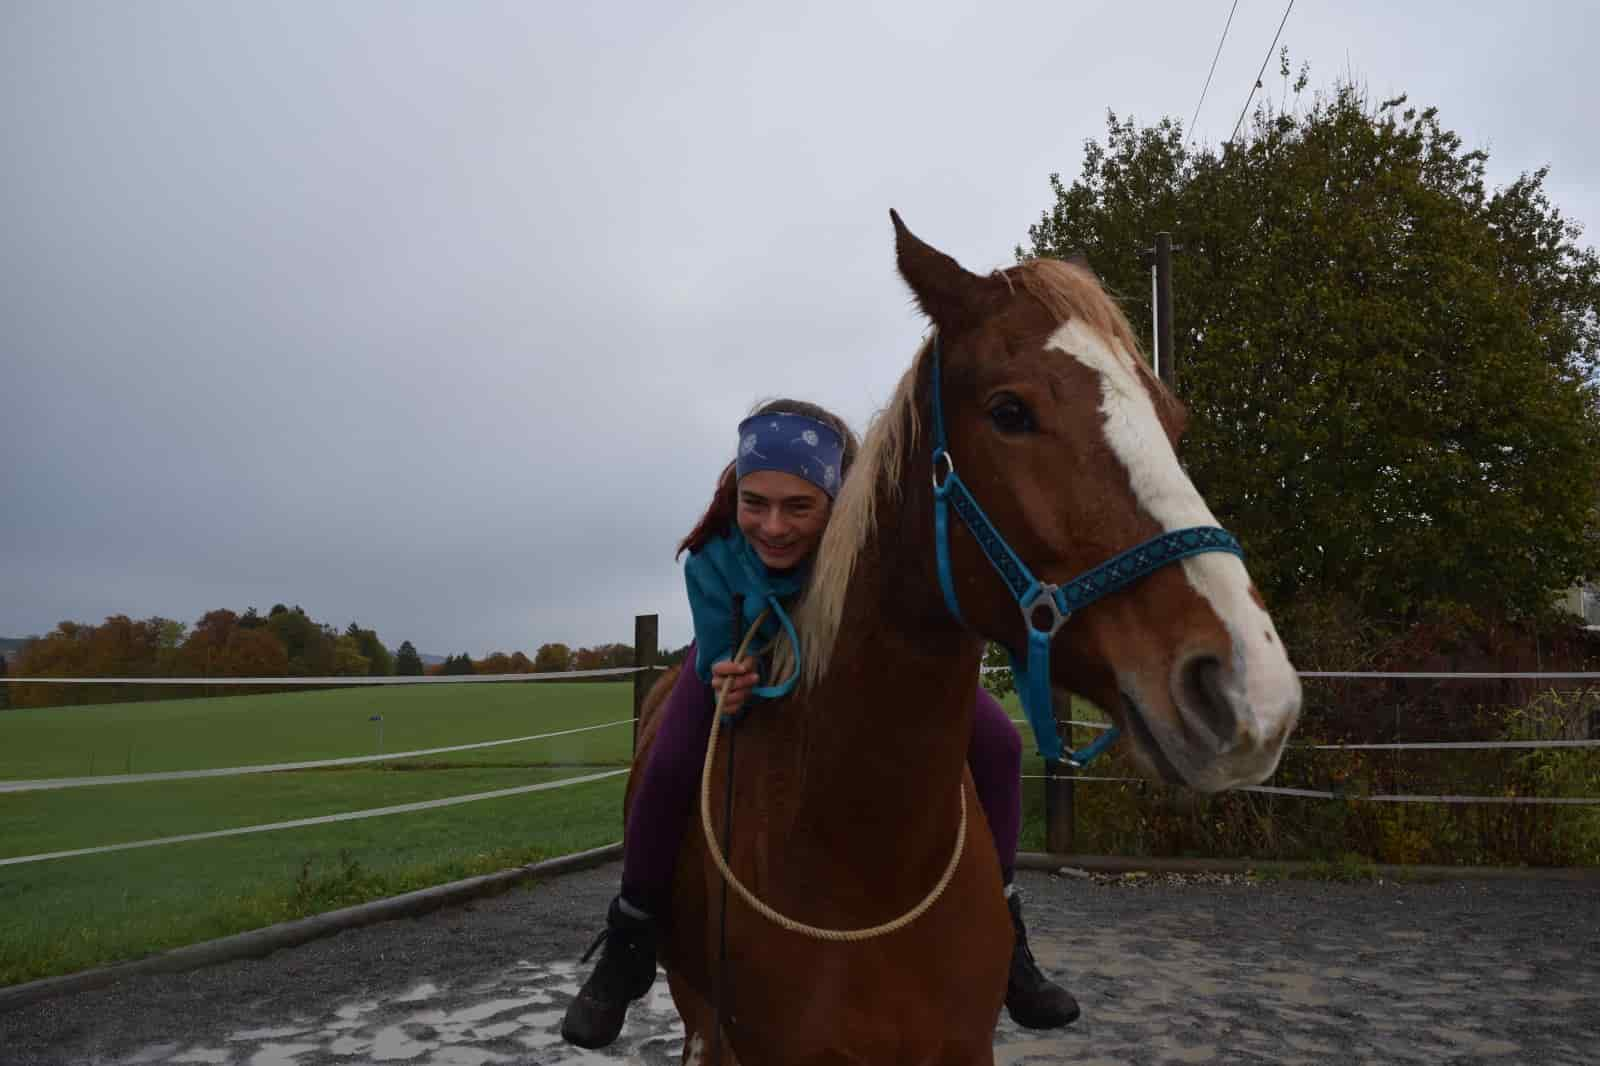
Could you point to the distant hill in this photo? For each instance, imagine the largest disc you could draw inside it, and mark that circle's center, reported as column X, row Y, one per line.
column 430, row 660
column 9, row 646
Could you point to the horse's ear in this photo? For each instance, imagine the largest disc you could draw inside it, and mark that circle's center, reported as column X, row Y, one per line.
column 955, row 298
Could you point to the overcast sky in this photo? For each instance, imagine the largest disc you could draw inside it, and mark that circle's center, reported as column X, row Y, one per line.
column 440, row 317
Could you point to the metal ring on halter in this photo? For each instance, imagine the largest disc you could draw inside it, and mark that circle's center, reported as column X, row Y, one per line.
column 950, row 469
column 1045, row 598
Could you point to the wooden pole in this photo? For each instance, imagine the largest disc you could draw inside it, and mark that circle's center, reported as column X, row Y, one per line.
column 645, row 630
column 1058, row 817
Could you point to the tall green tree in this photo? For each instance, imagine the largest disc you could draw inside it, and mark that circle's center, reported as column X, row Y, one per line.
column 458, row 664
column 407, row 663
column 311, row 648
column 1390, row 369
column 379, row 659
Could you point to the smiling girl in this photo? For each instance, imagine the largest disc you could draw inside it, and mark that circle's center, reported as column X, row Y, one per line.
column 754, row 545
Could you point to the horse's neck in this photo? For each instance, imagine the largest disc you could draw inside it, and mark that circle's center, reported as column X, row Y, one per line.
column 887, row 730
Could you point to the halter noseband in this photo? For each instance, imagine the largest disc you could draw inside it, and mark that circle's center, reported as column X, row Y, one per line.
column 1046, row 607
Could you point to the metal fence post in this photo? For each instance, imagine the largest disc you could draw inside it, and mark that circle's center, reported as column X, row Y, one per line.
column 1158, row 260
column 645, row 630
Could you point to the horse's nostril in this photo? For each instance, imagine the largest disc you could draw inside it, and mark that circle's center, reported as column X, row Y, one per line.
column 1206, row 700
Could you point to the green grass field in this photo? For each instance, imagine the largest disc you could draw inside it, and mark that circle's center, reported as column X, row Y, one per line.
column 200, row 734
column 61, row 915
column 67, row 914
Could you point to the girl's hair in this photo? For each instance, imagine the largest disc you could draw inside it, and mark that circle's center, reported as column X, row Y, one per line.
column 719, row 517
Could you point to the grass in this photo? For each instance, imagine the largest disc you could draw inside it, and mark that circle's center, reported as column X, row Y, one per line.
column 65, row 915
column 66, row 819
column 197, row 734
column 62, row 915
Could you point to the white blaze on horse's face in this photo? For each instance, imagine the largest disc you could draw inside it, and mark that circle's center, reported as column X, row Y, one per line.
column 1258, row 685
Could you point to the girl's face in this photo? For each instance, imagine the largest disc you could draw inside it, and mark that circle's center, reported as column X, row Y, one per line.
column 782, row 516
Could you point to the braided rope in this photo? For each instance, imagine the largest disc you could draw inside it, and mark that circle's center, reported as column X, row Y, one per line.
column 782, row 920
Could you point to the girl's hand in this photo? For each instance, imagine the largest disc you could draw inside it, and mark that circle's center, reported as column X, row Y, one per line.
column 738, row 678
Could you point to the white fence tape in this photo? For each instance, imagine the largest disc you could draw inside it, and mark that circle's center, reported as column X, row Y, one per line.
column 42, row 784
column 1461, row 675
column 326, row 819
column 435, row 679
column 1312, row 793
column 1381, row 675
column 1421, row 745
column 1531, row 801
column 1453, row 745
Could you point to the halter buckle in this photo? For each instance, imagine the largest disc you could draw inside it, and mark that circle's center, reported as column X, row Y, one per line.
column 1044, row 599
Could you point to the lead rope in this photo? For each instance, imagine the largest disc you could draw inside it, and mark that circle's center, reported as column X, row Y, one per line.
column 727, row 840
column 781, row 920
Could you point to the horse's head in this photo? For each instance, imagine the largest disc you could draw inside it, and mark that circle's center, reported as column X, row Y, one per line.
column 1061, row 431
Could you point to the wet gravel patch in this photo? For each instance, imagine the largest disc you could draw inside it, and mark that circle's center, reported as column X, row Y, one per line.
column 1183, row 968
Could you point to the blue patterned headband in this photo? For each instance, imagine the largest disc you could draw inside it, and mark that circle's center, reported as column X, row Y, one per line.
column 791, row 444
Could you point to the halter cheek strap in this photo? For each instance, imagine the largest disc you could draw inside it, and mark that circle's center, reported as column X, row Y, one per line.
column 1045, row 607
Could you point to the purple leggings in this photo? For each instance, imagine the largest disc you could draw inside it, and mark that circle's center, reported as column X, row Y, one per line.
column 666, row 794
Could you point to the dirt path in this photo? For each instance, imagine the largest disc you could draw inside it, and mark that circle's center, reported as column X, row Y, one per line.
column 1208, row 970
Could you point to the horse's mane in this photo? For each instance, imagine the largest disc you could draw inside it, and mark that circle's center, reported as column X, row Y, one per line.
column 1068, row 292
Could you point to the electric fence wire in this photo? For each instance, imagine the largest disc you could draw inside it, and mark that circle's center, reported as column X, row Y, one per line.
column 1260, row 73
column 1211, row 72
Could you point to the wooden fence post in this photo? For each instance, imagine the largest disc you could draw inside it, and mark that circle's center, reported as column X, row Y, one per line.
column 1058, row 816
column 645, row 630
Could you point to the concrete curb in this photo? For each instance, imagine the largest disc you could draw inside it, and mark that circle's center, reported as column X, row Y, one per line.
column 259, row 942
column 1119, row 864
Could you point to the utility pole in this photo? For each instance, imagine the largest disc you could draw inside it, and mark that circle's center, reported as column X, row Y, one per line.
column 1159, row 260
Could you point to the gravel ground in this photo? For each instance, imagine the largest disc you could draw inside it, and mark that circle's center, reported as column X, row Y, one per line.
column 1170, row 969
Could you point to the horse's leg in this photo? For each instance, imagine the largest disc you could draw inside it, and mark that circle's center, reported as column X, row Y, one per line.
column 699, row 1022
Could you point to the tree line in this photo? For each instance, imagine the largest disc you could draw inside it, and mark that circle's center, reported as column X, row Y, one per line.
column 1391, row 368
column 285, row 642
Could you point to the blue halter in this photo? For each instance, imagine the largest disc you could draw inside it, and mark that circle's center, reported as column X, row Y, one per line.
column 1046, row 607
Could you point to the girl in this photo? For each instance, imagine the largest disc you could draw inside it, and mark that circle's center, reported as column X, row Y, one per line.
column 756, row 541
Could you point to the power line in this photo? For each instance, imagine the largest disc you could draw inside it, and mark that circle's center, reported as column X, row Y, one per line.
column 1210, row 72
column 1262, row 71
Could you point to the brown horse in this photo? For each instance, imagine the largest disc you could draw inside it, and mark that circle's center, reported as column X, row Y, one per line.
column 848, row 796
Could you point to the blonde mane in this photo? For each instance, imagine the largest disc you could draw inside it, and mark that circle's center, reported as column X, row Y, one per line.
column 1065, row 290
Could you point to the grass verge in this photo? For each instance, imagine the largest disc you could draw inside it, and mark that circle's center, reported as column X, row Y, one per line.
column 67, row 915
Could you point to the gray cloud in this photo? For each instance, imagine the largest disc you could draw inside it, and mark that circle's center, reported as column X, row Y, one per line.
column 441, row 318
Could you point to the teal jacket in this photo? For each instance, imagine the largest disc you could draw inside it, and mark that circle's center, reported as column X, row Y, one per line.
column 714, row 574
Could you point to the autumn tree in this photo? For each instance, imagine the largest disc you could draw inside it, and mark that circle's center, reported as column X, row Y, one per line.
column 254, row 652
column 552, row 658
column 1390, row 369
column 495, row 663
column 407, row 663
column 347, row 658
column 380, row 663
column 119, row 647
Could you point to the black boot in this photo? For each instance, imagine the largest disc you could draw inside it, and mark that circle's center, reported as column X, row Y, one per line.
column 1035, row 1002
column 626, row 970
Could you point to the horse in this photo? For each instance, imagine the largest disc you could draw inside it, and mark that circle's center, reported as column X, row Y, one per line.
column 851, row 803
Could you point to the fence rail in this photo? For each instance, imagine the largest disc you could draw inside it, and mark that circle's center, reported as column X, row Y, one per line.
column 1058, row 780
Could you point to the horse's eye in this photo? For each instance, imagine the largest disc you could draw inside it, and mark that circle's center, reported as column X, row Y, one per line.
column 1011, row 416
